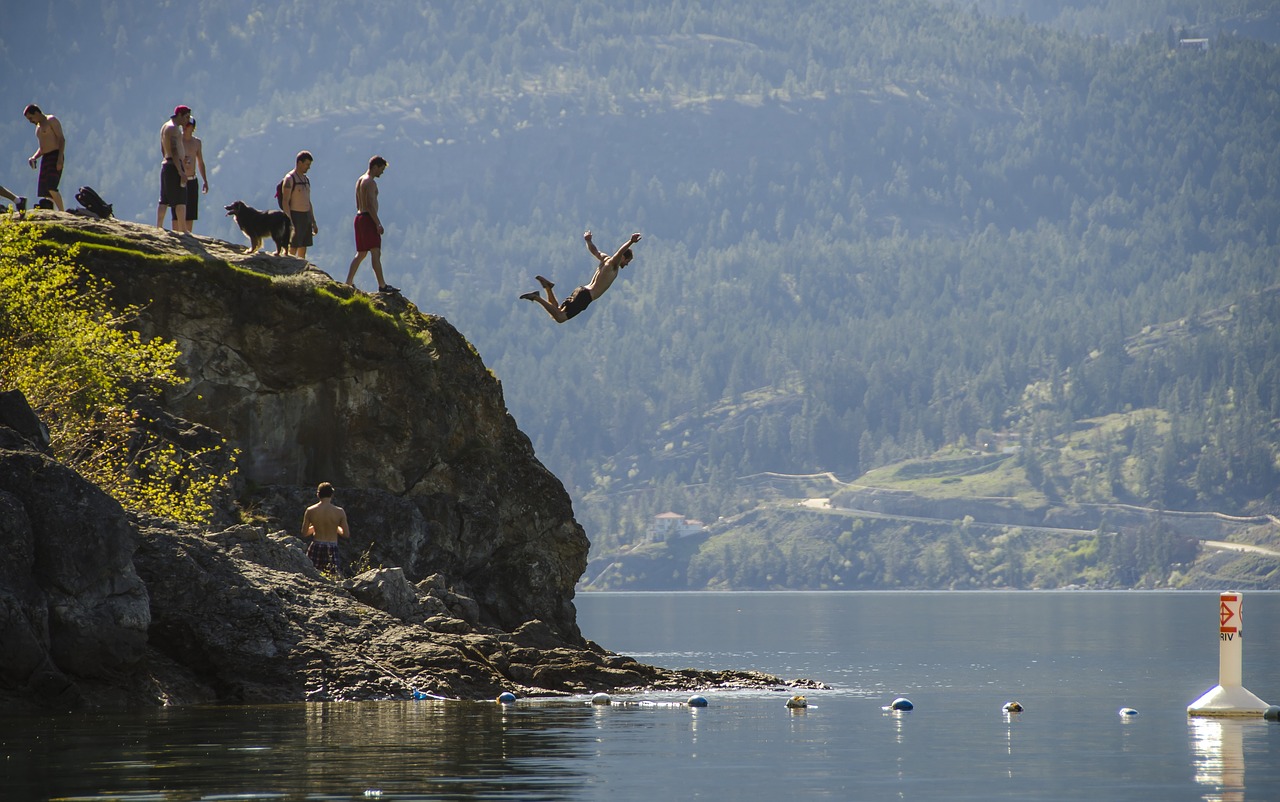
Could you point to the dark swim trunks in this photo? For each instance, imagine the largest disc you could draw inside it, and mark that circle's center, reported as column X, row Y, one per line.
column 324, row 556
column 50, row 174
column 172, row 192
column 579, row 300
column 303, row 226
column 193, row 199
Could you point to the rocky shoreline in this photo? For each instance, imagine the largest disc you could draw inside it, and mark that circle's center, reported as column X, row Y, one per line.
column 99, row 608
column 467, row 545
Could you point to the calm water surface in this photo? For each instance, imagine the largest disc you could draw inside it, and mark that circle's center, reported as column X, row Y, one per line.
column 1072, row 659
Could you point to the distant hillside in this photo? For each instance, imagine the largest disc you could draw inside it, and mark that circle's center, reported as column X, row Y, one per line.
column 872, row 231
column 923, row 525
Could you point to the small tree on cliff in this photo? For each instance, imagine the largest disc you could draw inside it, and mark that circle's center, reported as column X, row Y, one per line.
column 70, row 354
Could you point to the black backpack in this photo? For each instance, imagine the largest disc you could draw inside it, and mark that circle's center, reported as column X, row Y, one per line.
column 92, row 201
column 280, row 193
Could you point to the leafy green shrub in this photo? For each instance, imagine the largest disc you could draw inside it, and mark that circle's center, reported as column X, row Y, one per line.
column 69, row 352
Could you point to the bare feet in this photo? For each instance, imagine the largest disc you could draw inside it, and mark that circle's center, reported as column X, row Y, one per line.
column 546, row 283
column 529, row 296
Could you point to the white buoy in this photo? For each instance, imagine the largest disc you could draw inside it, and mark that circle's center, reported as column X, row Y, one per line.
column 1229, row 697
column 601, row 699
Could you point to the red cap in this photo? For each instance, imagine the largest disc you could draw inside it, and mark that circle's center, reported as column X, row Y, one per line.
column 181, row 110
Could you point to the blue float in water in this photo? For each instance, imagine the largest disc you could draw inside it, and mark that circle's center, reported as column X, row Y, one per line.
column 1272, row 713
column 901, row 703
column 1128, row 711
column 506, row 698
column 697, row 701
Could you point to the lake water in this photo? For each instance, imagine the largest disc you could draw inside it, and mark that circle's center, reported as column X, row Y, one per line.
column 1072, row 659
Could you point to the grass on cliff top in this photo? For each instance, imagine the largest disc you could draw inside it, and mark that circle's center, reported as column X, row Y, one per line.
column 90, row 242
column 349, row 313
column 356, row 307
column 70, row 235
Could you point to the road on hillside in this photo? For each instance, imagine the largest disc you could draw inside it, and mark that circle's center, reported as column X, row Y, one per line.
column 824, row 505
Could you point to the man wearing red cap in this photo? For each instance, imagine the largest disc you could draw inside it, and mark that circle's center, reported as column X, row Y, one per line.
column 173, row 179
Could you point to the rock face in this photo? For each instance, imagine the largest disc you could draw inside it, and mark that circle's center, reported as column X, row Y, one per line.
column 71, row 602
column 313, row 381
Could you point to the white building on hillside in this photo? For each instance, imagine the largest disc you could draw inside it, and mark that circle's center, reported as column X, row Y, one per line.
column 672, row 525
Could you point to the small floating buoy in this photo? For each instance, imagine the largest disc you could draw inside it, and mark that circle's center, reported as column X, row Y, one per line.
column 1128, row 711
column 1272, row 713
column 697, row 701
column 796, row 702
column 901, row 703
column 506, row 698
column 1012, row 707
column 601, row 699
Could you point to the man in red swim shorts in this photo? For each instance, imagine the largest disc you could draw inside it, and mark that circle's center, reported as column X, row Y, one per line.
column 581, row 298
column 368, row 226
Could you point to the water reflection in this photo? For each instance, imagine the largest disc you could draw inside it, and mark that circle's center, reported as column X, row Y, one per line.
column 1008, row 719
column 1218, row 744
column 412, row 750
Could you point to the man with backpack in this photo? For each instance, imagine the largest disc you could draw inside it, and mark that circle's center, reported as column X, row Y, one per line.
column 294, row 195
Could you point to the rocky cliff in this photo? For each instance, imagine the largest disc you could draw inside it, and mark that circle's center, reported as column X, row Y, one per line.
column 314, row 381
column 470, row 542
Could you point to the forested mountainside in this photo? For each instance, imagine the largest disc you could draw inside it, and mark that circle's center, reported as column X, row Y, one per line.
column 872, row 231
column 1125, row 21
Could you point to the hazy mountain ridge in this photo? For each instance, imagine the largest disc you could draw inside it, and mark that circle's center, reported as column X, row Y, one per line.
column 909, row 216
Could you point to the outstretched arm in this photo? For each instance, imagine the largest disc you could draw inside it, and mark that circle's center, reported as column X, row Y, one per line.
column 634, row 239
column 591, row 246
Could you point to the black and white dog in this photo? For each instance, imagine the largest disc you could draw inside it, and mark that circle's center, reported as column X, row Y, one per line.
column 257, row 225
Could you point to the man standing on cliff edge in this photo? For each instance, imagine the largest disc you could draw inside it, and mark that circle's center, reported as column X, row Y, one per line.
column 323, row 523
column 50, row 154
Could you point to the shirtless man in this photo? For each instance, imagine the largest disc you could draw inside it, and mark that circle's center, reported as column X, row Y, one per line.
column 368, row 225
column 295, row 199
column 323, row 523
column 193, row 160
column 50, row 153
column 173, row 179
column 581, row 298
